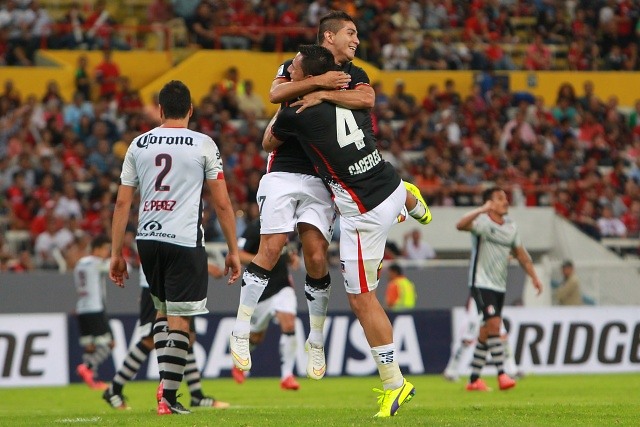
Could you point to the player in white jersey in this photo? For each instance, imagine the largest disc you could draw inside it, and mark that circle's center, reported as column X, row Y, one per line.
column 139, row 352
column 494, row 239
column 89, row 276
column 169, row 165
column 466, row 339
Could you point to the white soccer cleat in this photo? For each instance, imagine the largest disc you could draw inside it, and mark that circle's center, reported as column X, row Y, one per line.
column 316, row 364
column 239, row 346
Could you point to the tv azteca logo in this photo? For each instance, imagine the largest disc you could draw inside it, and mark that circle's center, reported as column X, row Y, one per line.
column 152, row 229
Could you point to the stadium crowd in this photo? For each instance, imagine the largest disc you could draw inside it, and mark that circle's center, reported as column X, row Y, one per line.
column 60, row 158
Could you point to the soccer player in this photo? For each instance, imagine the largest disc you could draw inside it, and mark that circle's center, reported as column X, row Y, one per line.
column 494, row 237
column 292, row 196
column 169, row 164
column 278, row 302
column 138, row 354
column 368, row 194
column 89, row 277
column 467, row 341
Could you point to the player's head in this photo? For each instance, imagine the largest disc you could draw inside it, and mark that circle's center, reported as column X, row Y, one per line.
column 311, row 60
column 498, row 198
column 337, row 32
column 395, row 270
column 175, row 100
column 101, row 246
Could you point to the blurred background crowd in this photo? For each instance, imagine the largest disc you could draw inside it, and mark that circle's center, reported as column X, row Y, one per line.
column 60, row 158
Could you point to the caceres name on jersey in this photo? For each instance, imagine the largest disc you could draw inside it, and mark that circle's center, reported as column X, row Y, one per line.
column 342, row 147
column 170, row 166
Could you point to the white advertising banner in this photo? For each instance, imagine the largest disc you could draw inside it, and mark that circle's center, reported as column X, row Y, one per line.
column 566, row 339
column 33, row 350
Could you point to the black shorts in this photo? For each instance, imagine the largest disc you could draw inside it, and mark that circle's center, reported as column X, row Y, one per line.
column 148, row 315
column 489, row 302
column 94, row 329
column 177, row 277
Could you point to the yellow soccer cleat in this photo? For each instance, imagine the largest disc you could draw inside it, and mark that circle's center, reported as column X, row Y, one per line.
column 426, row 218
column 391, row 400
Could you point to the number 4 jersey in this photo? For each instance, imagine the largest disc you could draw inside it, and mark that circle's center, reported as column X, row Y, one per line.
column 169, row 166
column 342, row 148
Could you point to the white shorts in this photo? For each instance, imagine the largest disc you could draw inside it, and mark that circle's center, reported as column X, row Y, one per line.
column 362, row 242
column 286, row 199
column 284, row 301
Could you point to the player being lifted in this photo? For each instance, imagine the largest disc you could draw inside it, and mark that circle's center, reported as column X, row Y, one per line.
column 368, row 194
column 291, row 196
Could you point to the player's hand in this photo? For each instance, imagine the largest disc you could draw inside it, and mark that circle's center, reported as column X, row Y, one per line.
column 118, row 270
column 538, row 285
column 232, row 263
column 309, row 100
column 333, row 79
column 487, row 206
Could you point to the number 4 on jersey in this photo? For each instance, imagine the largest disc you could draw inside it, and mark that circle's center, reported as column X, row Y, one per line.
column 346, row 122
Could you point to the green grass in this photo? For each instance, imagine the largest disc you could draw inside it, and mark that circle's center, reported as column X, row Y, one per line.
column 559, row 400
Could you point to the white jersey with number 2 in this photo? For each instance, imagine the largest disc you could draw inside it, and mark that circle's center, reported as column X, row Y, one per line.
column 165, row 163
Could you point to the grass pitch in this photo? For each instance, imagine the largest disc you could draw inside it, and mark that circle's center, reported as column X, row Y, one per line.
column 558, row 400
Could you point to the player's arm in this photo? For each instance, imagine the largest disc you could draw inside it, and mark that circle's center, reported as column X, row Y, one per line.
column 362, row 97
column 284, row 90
column 524, row 259
column 269, row 141
column 466, row 222
column 227, row 219
column 118, row 267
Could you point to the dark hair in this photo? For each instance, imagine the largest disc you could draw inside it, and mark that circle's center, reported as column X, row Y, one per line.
column 489, row 192
column 395, row 268
column 567, row 263
column 332, row 21
column 316, row 60
column 175, row 100
column 100, row 241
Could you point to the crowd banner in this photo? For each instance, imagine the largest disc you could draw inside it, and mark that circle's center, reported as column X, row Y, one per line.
column 567, row 340
column 33, row 350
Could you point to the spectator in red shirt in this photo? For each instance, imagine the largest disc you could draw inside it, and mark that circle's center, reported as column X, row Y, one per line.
column 538, row 55
column 107, row 74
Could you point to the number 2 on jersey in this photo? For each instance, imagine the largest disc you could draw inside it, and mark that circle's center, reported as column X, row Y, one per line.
column 160, row 159
column 345, row 121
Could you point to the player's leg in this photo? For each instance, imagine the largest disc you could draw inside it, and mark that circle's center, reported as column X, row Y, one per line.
column 136, row 355
column 193, row 378
column 97, row 340
column 469, row 335
column 259, row 323
column 485, row 303
column 316, row 218
column 362, row 242
column 285, row 307
column 276, row 199
column 416, row 205
column 495, row 342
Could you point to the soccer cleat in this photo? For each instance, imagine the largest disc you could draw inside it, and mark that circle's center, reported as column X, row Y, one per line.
column 391, row 400
column 237, row 375
column 239, row 346
column 289, row 383
column 86, row 374
column 450, row 375
column 117, row 401
column 477, row 385
column 99, row 385
column 166, row 408
column 208, row 402
column 426, row 218
column 505, row 382
column 159, row 391
column 316, row 364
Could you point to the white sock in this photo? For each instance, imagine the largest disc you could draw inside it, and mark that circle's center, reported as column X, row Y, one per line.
column 254, row 281
column 317, row 292
column 288, row 344
column 419, row 210
column 388, row 368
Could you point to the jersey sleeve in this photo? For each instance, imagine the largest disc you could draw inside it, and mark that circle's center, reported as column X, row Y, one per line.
column 282, row 128
column 358, row 77
column 480, row 225
column 212, row 160
column 283, row 71
column 129, row 174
